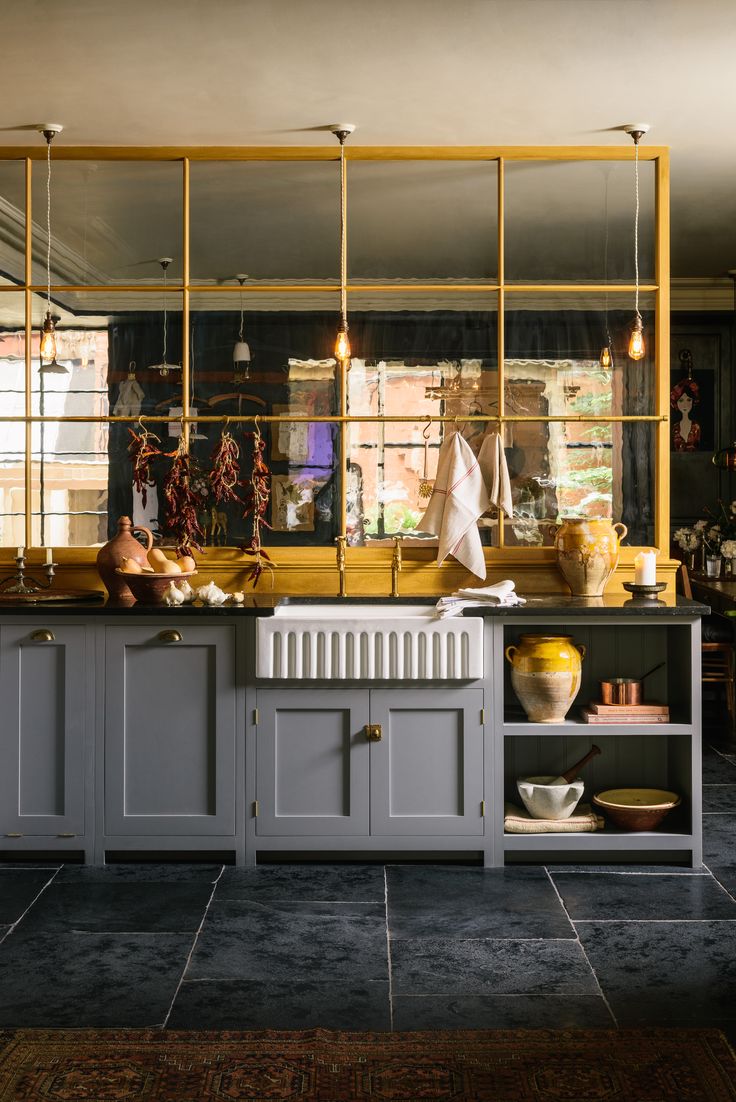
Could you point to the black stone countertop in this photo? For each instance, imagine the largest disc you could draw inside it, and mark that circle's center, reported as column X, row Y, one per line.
column 552, row 604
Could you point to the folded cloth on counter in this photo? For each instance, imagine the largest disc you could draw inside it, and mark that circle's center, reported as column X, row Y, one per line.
column 495, row 472
column 458, row 498
column 500, row 593
column 583, row 820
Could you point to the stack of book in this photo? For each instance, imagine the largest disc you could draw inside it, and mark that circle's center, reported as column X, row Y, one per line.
column 626, row 713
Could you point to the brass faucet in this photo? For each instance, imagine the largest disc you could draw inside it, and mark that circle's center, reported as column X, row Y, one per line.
column 341, row 541
column 395, row 566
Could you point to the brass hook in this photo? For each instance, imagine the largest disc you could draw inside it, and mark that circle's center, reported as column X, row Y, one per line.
column 427, row 428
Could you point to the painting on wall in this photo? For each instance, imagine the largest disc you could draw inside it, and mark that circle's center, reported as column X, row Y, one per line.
column 692, row 407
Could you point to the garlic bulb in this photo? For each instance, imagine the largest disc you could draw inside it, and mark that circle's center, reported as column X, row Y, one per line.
column 173, row 596
column 211, row 594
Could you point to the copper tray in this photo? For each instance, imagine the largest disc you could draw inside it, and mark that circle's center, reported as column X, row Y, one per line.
column 51, row 595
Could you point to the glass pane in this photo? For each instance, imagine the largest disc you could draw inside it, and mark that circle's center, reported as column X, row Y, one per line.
column 110, row 221
column 421, row 357
column 110, row 354
column 70, row 483
column 12, row 220
column 272, row 220
column 423, row 220
column 12, row 354
column 573, row 221
column 564, row 469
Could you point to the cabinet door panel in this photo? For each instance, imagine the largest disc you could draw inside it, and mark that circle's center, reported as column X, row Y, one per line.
column 312, row 762
column 170, row 732
column 427, row 770
column 43, row 731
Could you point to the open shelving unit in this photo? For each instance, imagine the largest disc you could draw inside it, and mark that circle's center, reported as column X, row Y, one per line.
column 658, row 755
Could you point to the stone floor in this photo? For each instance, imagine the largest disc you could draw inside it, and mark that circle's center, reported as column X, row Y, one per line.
column 378, row 947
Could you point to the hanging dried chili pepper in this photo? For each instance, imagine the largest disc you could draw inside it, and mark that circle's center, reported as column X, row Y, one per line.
column 182, row 503
column 225, row 472
column 257, row 496
column 142, row 454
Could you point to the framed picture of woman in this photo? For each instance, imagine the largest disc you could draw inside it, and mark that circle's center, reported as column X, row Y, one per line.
column 691, row 404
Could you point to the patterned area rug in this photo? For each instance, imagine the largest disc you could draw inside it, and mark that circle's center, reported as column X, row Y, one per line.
column 651, row 1065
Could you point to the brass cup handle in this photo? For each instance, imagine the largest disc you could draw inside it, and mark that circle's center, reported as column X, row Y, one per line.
column 170, row 636
column 373, row 732
column 43, row 635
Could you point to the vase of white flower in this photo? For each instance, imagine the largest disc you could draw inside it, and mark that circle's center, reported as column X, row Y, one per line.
column 728, row 550
column 688, row 540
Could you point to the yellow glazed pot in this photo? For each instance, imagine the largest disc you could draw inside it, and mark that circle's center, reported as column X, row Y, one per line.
column 587, row 552
column 545, row 674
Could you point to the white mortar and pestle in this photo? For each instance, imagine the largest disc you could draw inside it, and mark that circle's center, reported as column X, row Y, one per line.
column 555, row 797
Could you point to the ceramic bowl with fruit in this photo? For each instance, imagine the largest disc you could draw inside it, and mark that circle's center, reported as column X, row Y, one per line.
column 149, row 583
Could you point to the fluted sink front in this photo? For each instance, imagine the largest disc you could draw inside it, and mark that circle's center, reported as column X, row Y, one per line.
column 368, row 642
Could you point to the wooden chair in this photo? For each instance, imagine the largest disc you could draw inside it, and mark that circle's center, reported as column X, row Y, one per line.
column 718, row 653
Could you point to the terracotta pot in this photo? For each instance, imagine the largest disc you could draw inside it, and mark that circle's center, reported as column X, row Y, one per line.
column 122, row 546
column 587, row 553
column 546, row 675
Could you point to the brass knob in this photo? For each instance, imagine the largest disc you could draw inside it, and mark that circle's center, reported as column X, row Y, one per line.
column 170, row 636
column 373, row 732
column 43, row 635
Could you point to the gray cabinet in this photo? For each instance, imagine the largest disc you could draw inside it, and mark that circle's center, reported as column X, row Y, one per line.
column 384, row 763
column 45, row 684
column 170, row 726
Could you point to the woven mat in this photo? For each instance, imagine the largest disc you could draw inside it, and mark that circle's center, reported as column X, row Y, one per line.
column 649, row 1065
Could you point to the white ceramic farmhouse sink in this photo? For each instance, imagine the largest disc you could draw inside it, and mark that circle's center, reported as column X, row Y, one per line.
column 367, row 642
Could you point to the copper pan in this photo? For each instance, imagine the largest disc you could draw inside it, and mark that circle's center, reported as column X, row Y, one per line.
column 625, row 690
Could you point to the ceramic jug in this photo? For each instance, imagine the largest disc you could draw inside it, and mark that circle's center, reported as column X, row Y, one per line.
column 122, row 546
column 546, row 675
column 587, row 552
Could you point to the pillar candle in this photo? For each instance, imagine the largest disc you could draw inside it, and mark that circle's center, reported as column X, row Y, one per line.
column 19, row 553
column 49, row 557
column 645, row 568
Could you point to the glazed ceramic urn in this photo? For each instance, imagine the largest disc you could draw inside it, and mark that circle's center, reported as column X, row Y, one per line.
column 546, row 675
column 587, row 553
column 124, row 545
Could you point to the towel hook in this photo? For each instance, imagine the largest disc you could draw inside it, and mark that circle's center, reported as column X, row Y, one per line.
column 428, row 427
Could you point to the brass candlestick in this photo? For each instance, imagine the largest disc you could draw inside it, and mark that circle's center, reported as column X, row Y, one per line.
column 18, row 583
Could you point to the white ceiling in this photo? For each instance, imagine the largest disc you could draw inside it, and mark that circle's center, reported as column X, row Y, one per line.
column 407, row 72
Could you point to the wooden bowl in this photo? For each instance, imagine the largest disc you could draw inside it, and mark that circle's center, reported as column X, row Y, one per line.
column 636, row 808
column 149, row 589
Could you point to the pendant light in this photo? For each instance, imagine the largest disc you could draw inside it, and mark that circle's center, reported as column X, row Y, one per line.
column 605, row 359
column 48, row 345
column 637, row 347
column 241, row 351
column 725, row 458
column 343, row 130
column 164, row 367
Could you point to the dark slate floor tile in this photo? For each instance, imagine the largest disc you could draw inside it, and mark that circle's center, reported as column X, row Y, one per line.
column 717, row 769
column 18, row 889
column 443, row 967
column 665, row 972
column 605, row 896
column 295, row 1004
column 433, row 902
column 277, row 942
column 119, row 907
column 318, row 883
column 143, row 872
column 85, row 980
column 501, row 1012
column 726, row 878
column 629, row 870
column 719, row 799
column 719, row 841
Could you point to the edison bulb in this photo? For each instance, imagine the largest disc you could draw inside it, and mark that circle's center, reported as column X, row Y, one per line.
column 342, row 344
column 637, row 348
column 605, row 359
column 48, row 340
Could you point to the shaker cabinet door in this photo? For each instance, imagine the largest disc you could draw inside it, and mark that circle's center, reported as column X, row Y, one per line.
column 170, row 731
column 43, row 672
column 427, row 767
column 312, row 762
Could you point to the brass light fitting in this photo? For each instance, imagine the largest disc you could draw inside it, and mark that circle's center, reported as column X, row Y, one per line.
column 48, row 347
column 637, row 346
column 343, row 353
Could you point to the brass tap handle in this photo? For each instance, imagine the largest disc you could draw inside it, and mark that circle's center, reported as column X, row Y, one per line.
column 340, row 556
column 373, row 732
column 395, row 566
column 170, row 636
column 43, row 635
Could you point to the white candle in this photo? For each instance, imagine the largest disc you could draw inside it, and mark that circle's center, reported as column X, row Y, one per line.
column 645, row 568
column 49, row 557
column 19, row 553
